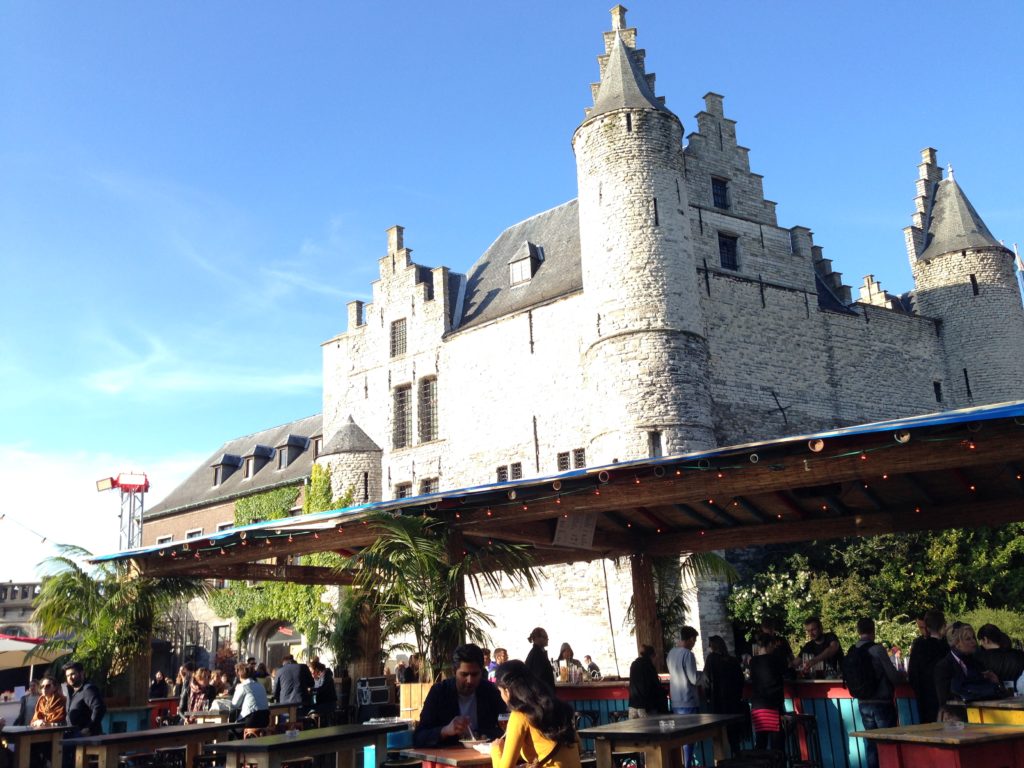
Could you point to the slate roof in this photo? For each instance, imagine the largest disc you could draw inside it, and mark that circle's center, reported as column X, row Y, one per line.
column 349, row 439
column 623, row 84
column 198, row 489
column 489, row 294
column 953, row 224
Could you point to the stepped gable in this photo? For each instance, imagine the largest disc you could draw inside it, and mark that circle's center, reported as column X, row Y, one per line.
column 350, row 438
column 953, row 224
column 199, row 490
column 556, row 237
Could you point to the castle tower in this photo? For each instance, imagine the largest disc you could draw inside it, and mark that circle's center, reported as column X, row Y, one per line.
column 646, row 354
column 355, row 462
column 966, row 279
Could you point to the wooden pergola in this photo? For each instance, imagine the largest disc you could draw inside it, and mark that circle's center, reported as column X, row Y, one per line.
column 953, row 469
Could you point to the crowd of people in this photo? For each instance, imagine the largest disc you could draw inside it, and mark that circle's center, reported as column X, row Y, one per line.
column 946, row 664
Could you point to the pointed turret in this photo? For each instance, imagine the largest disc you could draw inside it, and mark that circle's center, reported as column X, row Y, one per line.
column 953, row 224
column 639, row 277
column 623, row 83
column 966, row 280
column 355, row 463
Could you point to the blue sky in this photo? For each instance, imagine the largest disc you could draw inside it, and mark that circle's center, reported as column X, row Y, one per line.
column 191, row 192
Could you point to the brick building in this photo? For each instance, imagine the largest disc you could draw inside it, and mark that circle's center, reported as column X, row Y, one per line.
column 663, row 310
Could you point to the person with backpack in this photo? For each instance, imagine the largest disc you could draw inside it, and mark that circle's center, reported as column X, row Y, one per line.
column 871, row 678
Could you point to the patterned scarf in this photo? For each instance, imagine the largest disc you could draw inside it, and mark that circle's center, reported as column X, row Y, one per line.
column 51, row 709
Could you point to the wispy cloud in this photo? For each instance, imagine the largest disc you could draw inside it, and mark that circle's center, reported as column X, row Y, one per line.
column 160, row 371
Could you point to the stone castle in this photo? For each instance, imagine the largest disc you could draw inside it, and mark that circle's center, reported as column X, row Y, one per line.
column 663, row 310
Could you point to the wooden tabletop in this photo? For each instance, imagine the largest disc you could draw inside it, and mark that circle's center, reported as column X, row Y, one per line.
column 315, row 736
column 14, row 730
column 942, row 733
column 184, row 731
column 457, row 756
column 650, row 728
column 1015, row 703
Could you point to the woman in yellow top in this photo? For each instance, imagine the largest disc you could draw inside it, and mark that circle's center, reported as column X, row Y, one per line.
column 540, row 729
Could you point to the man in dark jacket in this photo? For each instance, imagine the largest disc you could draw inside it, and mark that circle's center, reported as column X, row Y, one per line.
column 646, row 694
column 85, row 703
column 463, row 704
column 877, row 709
column 293, row 683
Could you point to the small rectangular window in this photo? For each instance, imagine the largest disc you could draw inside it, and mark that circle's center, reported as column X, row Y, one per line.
column 218, row 475
column 282, row 457
column 428, row 409
column 225, row 526
column 428, row 485
column 195, row 533
column 937, row 385
column 579, row 458
column 727, row 251
column 398, row 338
column 318, row 446
column 401, row 432
column 563, row 462
column 503, row 473
column 720, row 192
column 517, row 471
column 654, row 445
column 164, row 539
column 250, row 466
column 403, row 490
column 520, row 271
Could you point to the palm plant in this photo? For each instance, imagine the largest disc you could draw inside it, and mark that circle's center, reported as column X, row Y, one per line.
column 106, row 616
column 417, row 583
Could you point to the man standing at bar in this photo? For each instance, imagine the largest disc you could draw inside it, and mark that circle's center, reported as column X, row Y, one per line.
column 822, row 648
column 684, row 681
column 876, row 709
column 85, row 703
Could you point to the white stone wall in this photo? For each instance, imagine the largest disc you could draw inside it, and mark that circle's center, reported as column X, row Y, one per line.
column 981, row 332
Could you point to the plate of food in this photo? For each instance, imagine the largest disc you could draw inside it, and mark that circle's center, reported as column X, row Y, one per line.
column 480, row 745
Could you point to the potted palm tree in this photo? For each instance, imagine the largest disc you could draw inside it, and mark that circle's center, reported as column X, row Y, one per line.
column 106, row 616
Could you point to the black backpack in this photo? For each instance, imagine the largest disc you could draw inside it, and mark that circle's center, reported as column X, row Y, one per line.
column 859, row 672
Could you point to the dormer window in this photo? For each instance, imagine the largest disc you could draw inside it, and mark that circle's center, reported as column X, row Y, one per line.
column 256, row 460
column 290, row 449
column 249, row 467
column 523, row 265
column 318, row 446
column 225, row 467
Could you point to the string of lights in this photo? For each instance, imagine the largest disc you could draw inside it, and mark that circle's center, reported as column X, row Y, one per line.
column 726, row 467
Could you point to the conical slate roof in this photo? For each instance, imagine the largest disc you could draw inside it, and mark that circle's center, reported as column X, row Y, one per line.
column 349, row 439
column 953, row 224
column 623, row 84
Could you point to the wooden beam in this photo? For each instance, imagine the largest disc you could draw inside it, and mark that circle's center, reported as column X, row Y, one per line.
column 751, row 509
column 300, row 574
column 645, row 605
column 772, row 473
column 971, row 515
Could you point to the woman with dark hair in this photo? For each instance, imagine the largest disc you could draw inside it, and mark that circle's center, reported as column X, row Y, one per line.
column 724, row 677
column 200, row 691
column 537, row 659
column 540, row 729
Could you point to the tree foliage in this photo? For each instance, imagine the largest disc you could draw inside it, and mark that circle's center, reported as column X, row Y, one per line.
column 301, row 604
column 417, row 582
column 105, row 615
column 887, row 577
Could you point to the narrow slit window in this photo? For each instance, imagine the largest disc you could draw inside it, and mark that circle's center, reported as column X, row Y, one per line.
column 967, row 384
column 974, row 284
column 937, row 385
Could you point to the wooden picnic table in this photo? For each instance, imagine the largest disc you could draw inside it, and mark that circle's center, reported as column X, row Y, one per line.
column 660, row 738
column 345, row 742
column 433, row 757
column 24, row 736
column 948, row 745
column 107, row 748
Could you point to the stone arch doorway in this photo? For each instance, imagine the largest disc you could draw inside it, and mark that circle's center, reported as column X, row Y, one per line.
column 271, row 641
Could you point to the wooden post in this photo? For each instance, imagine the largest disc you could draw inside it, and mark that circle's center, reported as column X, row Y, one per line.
column 645, row 610
column 369, row 664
